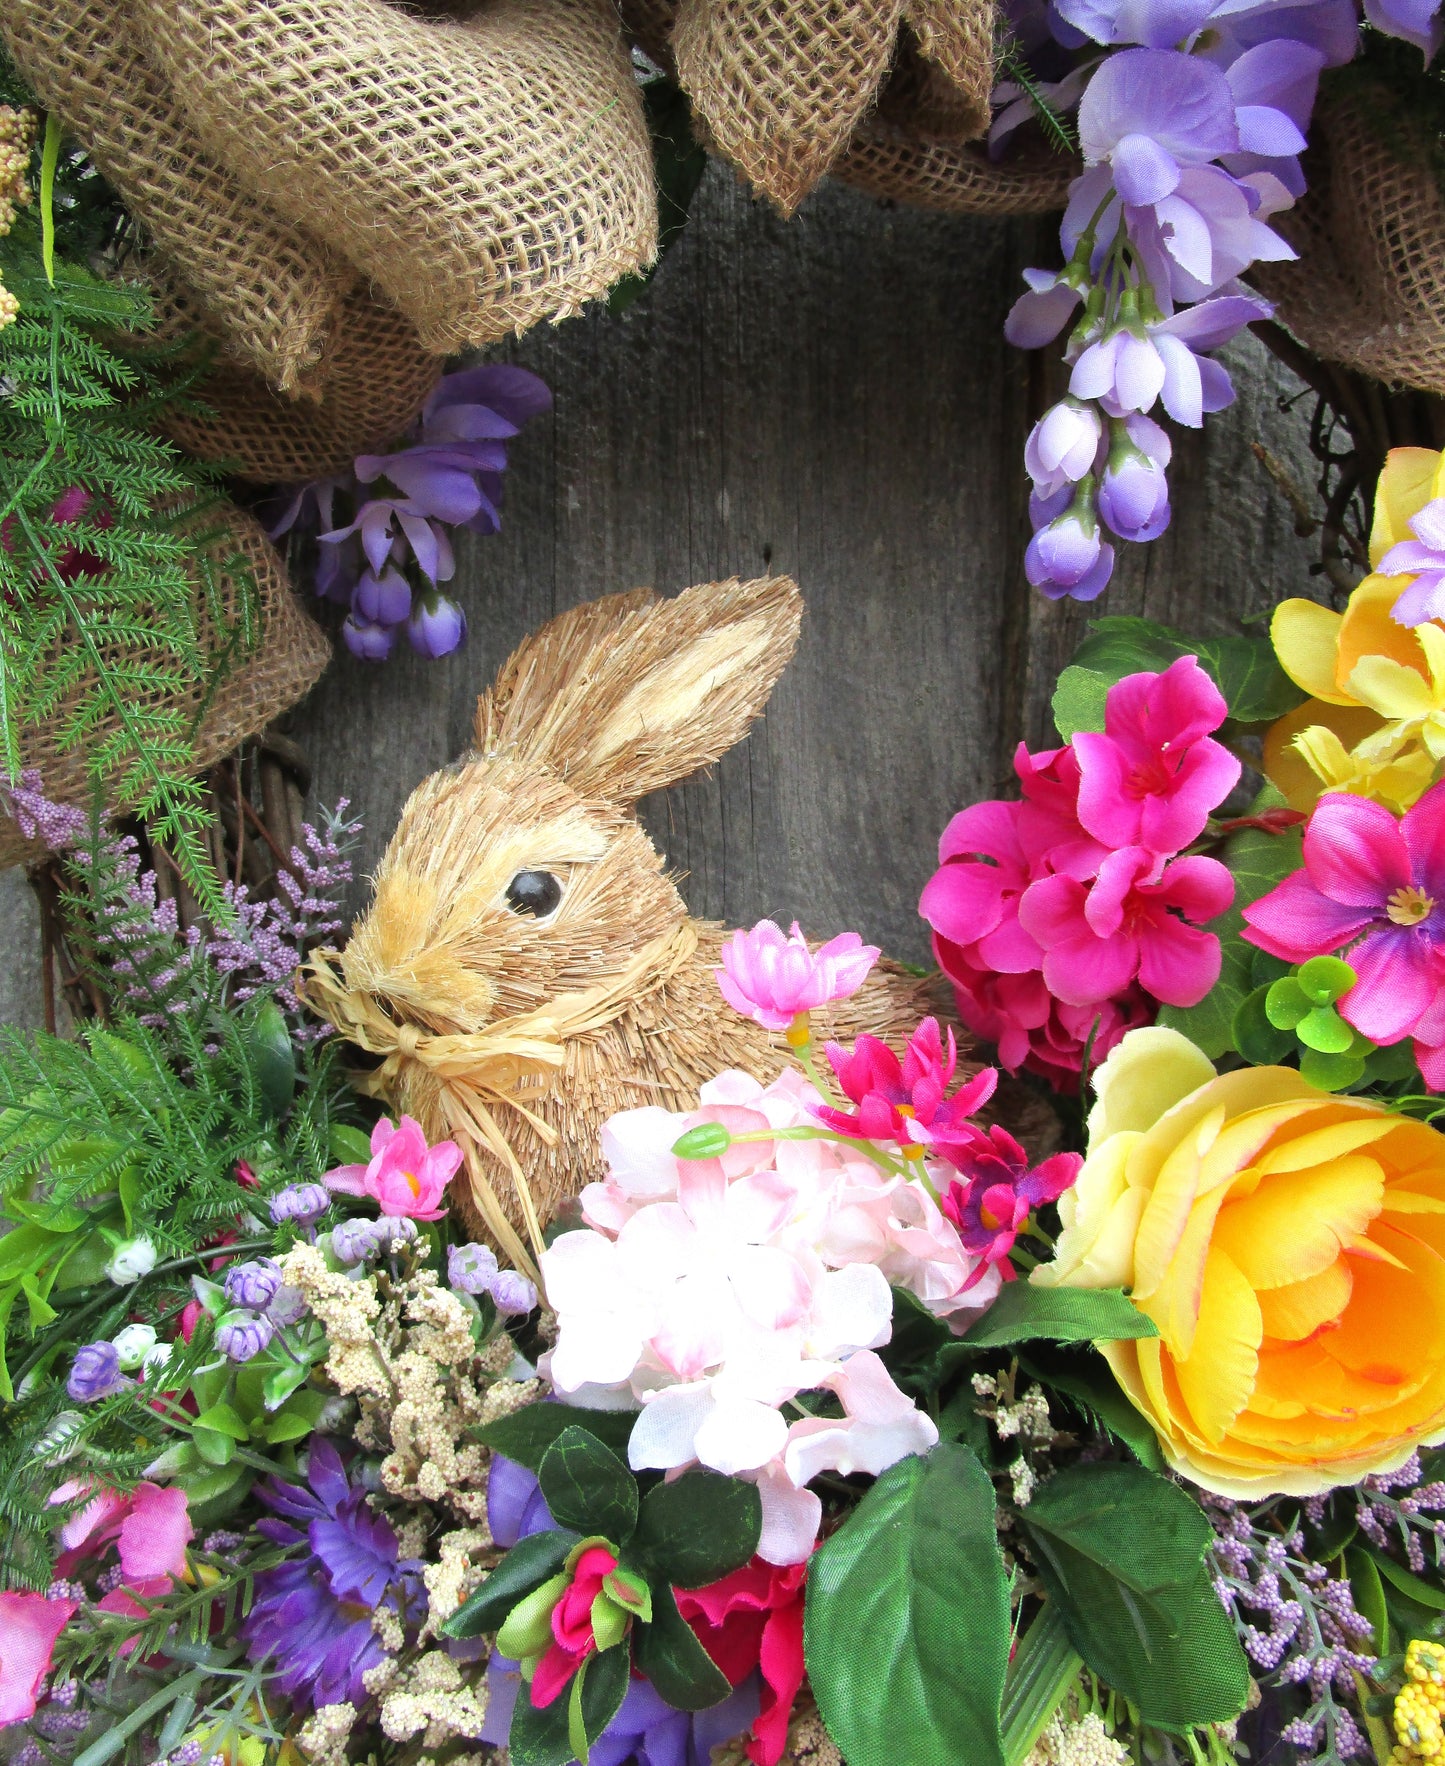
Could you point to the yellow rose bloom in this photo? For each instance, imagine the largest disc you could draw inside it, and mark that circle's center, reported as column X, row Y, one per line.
column 1289, row 1245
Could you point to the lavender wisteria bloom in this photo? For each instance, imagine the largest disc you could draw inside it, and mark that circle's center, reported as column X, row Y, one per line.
column 1134, row 491
column 384, row 555
column 1068, row 555
column 1424, row 559
column 512, row 1293
column 1413, row 21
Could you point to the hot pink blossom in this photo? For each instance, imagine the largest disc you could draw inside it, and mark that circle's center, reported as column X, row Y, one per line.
column 573, row 1637
column 1153, row 776
column 405, row 1176
column 1034, row 1031
column 770, row 978
column 753, row 1619
column 1126, row 926
column 905, row 1101
column 29, row 1626
column 996, row 1193
column 1381, row 882
column 150, row 1525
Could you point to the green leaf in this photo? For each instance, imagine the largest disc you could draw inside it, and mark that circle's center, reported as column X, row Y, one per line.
column 347, row 1145
column 1122, row 644
column 540, row 1738
column 671, row 1657
column 1286, row 1003
column 1044, row 1667
column 1022, row 1313
column 598, row 1689
column 1331, row 1072
column 281, row 1382
column 709, row 1140
column 1247, row 672
column 1260, row 1042
column 531, row 1562
column 1078, row 701
column 699, row 1528
column 1325, row 979
column 1424, row 1593
column 225, row 1421
column 25, row 1248
column 214, row 1447
column 588, row 1487
column 1086, row 1378
column 1369, row 1598
column 526, row 1434
column 1325, row 1031
column 527, row 1629
column 907, row 1620
column 273, row 1058
column 1122, row 1551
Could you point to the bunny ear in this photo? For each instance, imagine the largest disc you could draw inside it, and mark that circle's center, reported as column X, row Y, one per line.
column 630, row 693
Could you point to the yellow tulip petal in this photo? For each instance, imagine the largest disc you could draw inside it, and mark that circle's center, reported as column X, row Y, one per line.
column 1091, row 1233
column 1166, row 1213
column 1319, row 1146
column 1148, row 1072
column 1389, row 687
column 1240, row 1142
column 1286, row 767
column 1368, row 628
column 1174, row 1307
column 1297, row 1310
column 1217, row 1378
column 1294, row 1224
column 1405, row 486
column 1306, row 641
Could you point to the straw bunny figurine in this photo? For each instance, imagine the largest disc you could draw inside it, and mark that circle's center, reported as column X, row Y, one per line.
column 527, row 966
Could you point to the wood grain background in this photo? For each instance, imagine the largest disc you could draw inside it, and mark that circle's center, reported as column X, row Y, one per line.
column 830, row 397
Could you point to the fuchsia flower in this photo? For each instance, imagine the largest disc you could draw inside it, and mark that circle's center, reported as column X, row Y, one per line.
column 1370, row 878
column 1100, row 938
column 573, row 1637
column 1154, row 775
column 1033, row 1030
column 29, row 1626
column 997, row 1194
column 405, row 1176
column 770, row 978
column 753, row 1619
column 905, row 1101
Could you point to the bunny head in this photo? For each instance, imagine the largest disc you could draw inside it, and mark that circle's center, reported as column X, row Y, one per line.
column 519, row 875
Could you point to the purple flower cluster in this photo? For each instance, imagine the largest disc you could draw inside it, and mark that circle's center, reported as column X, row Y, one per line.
column 1298, row 1625
column 262, row 1302
column 1397, row 1511
column 386, row 562
column 1191, row 130
column 472, row 1269
column 312, row 1614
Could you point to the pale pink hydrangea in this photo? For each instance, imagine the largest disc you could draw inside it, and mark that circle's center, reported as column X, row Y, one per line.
column 712, row 1291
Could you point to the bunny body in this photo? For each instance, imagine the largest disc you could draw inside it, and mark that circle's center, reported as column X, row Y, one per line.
column 518, row 1031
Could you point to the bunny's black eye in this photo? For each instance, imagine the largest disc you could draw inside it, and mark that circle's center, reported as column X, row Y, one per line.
column 533, row 892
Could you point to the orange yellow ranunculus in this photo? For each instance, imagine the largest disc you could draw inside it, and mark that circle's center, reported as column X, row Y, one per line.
column 1289, row 1245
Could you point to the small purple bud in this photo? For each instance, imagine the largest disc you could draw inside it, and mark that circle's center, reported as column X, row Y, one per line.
column 1064, row 445
column 253, row 1285
column 355, row 1241
column 394, row 1231
column 437, row 625
column 301, row 1202
column 95, row 1373
column 287, row 1307
column 372, row 643
column 513, row 1293
column 1062, row 553
column 242, row 1335
column 1134, row 495
column 382, row 600
column 471, row 1269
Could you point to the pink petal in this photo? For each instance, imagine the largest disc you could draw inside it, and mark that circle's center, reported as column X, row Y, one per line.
column 1396, row 986
column 1354, row 851
column 1201, row 888
column 1119, row 875
column 1052, row 909
column 346, row 1180
column 154, row 1534
column 1008, row 949
column 963, row 900
column 29, row 1626
column 1108, row 809
column 1084, row 971
column 1207, row 774
column 989, row 829
column 1178, row 964
column 1423, row 830
column 1295, row 921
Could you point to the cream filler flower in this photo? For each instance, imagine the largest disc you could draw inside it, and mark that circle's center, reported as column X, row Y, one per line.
column 713, row 1291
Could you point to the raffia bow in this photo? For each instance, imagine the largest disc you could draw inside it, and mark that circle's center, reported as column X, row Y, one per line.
column 455, row 1084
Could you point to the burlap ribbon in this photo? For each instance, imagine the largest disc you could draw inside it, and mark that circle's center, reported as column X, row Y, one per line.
column 455, row 1085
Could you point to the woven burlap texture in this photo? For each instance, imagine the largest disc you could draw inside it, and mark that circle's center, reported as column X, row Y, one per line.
column 271, row 289
column 486, row 174
column 886, row 160
column 362, row 396
column 780, row 86
column 289, row 655
column 1368, row 289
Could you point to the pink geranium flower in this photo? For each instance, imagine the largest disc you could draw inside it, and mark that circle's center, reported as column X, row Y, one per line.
column 1034, row 1031
column 771, row 978
column 905, row 1100
column 996, row 1193
column 753, row 1619
column 29, row 1626
column 405, row 1176
column 1381, row 882
column 1130, row 924
column 1153, row 776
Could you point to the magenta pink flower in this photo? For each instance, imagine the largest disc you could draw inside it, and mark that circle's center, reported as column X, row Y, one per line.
column 906, row 1101
column 29, row 1626
column 1031, row 1029
column 1152, row 778
column 770, row 978
column 573, row 1637
column 997, row 1192
column 1130, row 924
column 405, row 1176
column 1370, row 878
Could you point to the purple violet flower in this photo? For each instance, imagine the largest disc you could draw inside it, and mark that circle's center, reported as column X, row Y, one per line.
column 312, row 1614
column 367, row 642
column 436, row 627
column 253, row 1285
column 95, row 1373
column 241, row 1336
column 1424, row 558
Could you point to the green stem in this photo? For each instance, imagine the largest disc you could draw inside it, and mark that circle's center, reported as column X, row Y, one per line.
column 49, row 160
column 108, row 1745
column 1044, row 1667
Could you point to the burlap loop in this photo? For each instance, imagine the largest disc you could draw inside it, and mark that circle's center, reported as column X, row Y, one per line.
column 887, row 160
column 361, row 396
column 287, row 659
column 273, row 291
column 781, row 86
column 462, row 1086
column 486, row 173
column 1368, row 289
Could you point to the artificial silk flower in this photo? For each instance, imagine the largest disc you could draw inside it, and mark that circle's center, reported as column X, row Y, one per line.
column 906, row 1101
column 405, row 1177
column 1288, row 1245
column 1318, row 748
column 996, row 1191
column 751, row 1622
column 1374, row 886
column 29, row 1626
column 771, row 978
